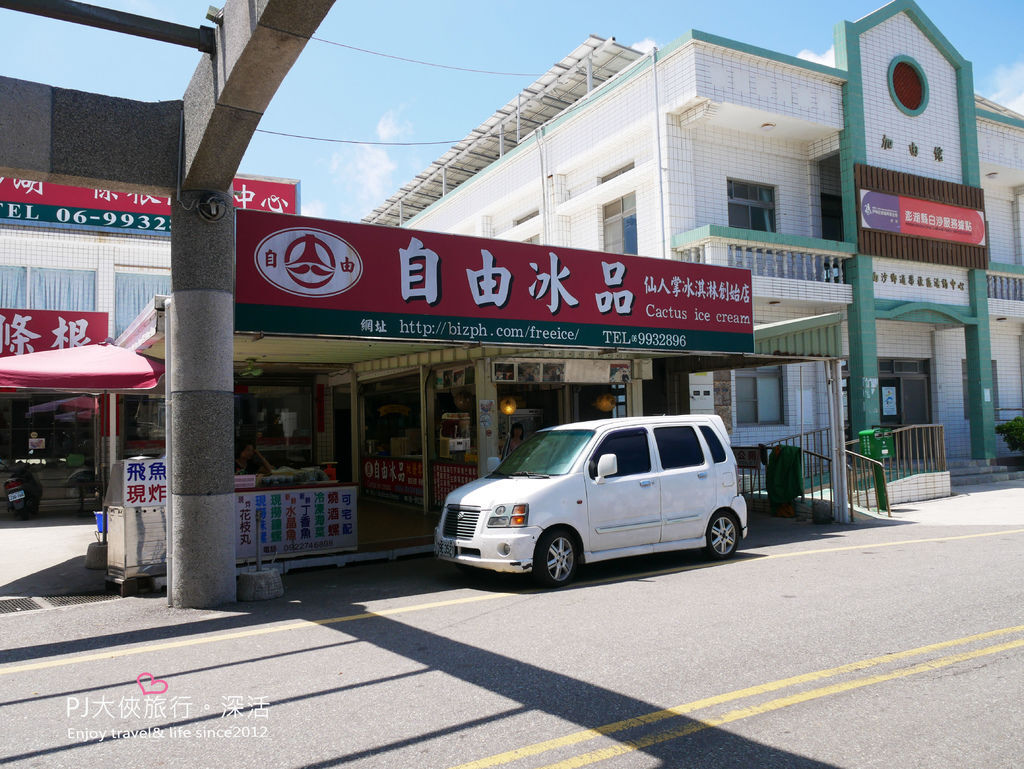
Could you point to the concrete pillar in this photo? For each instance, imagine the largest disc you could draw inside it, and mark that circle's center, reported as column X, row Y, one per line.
column 487, row 434
column 202, row 420
column 980, row 405
column 863, row 360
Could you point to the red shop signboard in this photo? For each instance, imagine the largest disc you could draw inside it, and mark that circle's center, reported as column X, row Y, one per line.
column 296, row 275
column 400, row 479
column 448, row 476
column 27, row 201
column 23, row 331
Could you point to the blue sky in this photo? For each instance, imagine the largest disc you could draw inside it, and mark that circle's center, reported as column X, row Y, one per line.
column 344, row 94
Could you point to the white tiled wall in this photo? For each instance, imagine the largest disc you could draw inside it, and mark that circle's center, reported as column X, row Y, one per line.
column 102, row 253
column 736, row 78
column 1000, row 144
column 937, row 126
column 1003, row 226
column 720, row 154
column 920, row 282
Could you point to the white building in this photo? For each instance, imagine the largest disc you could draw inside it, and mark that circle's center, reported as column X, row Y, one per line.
column 882, row 188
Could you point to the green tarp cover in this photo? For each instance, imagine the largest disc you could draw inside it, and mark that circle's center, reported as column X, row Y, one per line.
column 784, row 478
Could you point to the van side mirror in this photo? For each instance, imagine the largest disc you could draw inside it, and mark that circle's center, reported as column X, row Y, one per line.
column 607, row 465
column 492, row 463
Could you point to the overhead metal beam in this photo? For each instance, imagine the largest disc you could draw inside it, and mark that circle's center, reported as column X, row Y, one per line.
column 200, row 38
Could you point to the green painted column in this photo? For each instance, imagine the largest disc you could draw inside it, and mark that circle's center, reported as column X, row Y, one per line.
column 862, row 387
column 980, row 405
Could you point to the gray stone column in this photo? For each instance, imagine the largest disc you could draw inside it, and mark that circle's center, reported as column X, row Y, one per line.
column 202, row 419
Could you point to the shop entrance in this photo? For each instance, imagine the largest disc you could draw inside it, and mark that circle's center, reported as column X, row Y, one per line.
column 904, row 390
column 53, row 434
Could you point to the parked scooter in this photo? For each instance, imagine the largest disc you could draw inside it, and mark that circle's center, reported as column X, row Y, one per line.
column 23, row 492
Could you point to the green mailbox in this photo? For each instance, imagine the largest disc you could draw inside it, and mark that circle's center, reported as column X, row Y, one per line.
column 876, row 444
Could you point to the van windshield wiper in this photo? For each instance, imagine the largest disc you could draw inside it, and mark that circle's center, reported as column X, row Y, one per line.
column 527, row 474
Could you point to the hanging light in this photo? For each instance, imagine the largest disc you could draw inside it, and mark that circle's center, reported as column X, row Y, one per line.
column 508, row 405
column 463, row 399
column 605, row 402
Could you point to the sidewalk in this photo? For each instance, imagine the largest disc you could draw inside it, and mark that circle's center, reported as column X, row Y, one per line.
column 46, row 556
column 992, row 504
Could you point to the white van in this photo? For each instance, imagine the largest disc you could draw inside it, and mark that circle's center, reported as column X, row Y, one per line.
column 592, row 491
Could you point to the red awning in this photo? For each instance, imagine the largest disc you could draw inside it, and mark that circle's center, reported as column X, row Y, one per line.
column 90, row 368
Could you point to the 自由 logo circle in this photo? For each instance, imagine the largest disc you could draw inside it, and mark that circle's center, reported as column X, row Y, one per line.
column 308, row 262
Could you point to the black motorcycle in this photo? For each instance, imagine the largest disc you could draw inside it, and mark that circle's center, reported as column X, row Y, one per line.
column 23, row 492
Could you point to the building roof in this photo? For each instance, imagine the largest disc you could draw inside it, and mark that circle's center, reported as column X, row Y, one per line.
column 594, row 61
column 999, row 109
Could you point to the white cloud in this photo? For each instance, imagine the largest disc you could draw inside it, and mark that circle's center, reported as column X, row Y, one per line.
column 828, row 58
column 315, row 208
column 646, row 45
column 1007, row 87
column 365, row 173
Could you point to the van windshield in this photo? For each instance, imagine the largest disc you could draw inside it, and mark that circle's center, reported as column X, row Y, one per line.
column 548, row 452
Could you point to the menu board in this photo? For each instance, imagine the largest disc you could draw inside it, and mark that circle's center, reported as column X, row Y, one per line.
column 296, row 521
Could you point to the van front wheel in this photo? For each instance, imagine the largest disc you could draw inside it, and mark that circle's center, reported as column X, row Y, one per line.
column 723, row 536
column 554, row 559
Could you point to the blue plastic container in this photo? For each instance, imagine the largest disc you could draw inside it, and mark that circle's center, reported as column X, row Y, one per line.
column 99, row 521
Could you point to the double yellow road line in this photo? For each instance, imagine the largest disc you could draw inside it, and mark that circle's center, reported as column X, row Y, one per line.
column 693, row 726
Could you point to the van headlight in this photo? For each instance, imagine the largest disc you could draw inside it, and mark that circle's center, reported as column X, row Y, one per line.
column 506, row 516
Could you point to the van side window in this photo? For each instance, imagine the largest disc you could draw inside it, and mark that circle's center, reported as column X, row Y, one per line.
column 679, row 447
column 630, row 448
column 717, row 450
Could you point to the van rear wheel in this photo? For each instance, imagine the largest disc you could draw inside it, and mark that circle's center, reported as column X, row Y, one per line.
column 723, row 536
column 555, row 558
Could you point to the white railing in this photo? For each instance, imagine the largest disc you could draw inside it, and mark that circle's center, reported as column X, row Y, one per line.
column 1009, row 287
column 768, row 261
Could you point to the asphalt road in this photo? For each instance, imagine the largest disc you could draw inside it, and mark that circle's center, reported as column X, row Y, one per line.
column 899, row 645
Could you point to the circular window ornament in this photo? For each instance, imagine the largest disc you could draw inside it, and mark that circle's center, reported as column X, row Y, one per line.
column 908, row 86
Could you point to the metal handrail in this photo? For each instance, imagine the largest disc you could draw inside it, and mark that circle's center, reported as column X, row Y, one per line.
column 817, row 476
column 916, row 449
column 862, row 477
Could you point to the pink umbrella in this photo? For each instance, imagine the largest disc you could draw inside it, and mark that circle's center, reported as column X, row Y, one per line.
column 90, row 368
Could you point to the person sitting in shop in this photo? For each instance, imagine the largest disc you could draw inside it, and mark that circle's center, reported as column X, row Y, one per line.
column 249, row 461
column 514, row 439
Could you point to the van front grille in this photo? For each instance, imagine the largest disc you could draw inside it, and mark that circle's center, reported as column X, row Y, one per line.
column 460, row 522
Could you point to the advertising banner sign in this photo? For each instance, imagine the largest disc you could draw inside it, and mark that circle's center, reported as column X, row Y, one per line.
column 400, row 479
column 145, row 482
column 295, row 521
column 922, row 218
column 23, row 331
column 298, row 275
column 24, row 201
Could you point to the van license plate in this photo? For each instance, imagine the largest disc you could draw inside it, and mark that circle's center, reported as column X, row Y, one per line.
column 445, row 548
column 14, row 496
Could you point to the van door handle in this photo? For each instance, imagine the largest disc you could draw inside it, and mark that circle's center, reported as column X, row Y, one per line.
column 645, row 484
column 702, row 474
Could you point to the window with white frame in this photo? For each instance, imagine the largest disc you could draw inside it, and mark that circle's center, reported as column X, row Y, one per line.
column 751, row 206
column 63, row 290
column 133, row 292
column 759, row 395
column 13, row 286
column 620, row 225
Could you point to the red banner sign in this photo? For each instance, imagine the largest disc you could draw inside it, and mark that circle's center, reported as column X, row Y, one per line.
column 23, row 331
column 400, row 479
column 922, row 218
column 312, row 276
column 448, row 476
column 30, row 201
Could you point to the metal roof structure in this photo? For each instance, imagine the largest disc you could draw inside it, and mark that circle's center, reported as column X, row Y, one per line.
column 594, row 62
